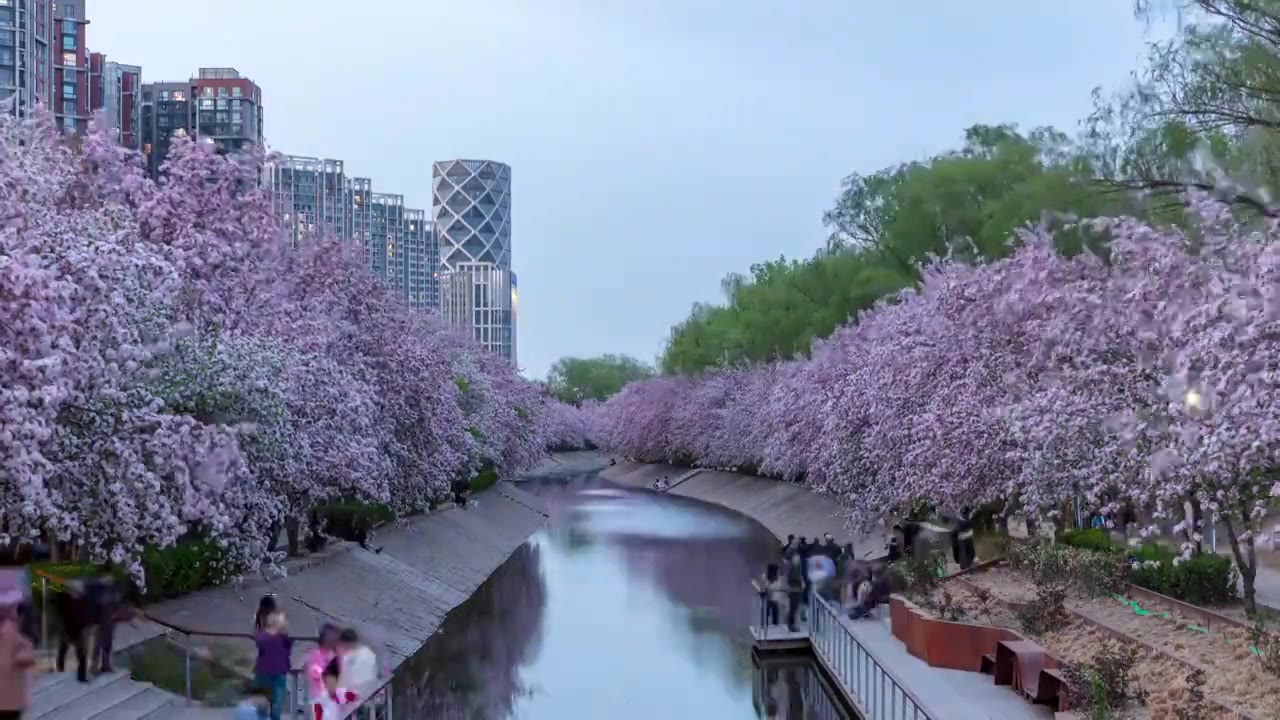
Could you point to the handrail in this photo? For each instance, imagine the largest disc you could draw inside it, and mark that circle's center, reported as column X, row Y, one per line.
column 876, row 691
column 377, row 701
column 294, row 673
column 862, row 676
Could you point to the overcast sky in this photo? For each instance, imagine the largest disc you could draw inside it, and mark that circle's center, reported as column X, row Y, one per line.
column 656, row 145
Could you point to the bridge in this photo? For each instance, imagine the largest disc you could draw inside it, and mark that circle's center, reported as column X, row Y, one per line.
column 877, row 677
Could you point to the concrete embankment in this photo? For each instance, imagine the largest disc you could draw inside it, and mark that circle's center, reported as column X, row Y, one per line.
column 397, row 593
column 784, row 508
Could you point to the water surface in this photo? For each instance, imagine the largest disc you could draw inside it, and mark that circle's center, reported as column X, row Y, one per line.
column 628, row 605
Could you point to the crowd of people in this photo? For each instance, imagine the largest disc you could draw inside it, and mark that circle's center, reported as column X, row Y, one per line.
column 823, row 569
column 341, row 672
column 855, row 585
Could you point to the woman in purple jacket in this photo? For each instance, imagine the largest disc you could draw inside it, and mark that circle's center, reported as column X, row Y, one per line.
column 275, row 652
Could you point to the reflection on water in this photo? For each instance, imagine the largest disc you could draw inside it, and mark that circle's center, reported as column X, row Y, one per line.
column 629, row 605
column 794, row 690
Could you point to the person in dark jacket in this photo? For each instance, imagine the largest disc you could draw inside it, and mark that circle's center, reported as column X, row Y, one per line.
column 966, row 551
column 830, row 548
column 795, row 591
column 104, row 597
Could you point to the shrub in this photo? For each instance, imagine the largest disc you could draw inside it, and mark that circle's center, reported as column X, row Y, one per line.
column 353, row 520
column 1106, row 685
column 918, row 576
column 1204, row 579
column 1089, row 539
column 483, row 480
column 1047, row 612
column 944, row 606
column 1267, row 644
column 1194, row 706
column 191, row 565
column 1093, row 572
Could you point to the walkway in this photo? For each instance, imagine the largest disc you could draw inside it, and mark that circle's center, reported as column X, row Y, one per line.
column 942, row 694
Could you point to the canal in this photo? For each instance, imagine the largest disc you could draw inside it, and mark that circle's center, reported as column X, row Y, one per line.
column 627, row 605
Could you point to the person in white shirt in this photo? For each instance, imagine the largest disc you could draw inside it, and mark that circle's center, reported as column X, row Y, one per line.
column 359, row 665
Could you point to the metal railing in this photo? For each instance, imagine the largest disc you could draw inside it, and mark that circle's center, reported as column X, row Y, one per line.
column 376, row 706
column 294, row 696
column 874, row 689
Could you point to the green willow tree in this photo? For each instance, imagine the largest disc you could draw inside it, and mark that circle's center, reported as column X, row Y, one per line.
column 574, row 380
column 964, row 203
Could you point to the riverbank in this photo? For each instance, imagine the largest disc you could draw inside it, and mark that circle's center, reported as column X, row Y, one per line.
column 396, row 593
column 784, row 508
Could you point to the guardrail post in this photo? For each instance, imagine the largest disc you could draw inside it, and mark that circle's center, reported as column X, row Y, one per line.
column 390, row 714
column 44, row 613
column 186, row 670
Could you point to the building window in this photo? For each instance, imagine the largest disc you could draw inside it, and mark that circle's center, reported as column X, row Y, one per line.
column 69, row 123
column 6, row 76
column 179, row 96
column 164, row 94
column 69, row 27
column 162, row 121
column 235, row 91
column 69, row 107
column 69, row 91
column 222, row 91
column 6, row 16
column 206, row 91
column 6, row 55
column 68, row 42
column 68, row 10
column 69, row 59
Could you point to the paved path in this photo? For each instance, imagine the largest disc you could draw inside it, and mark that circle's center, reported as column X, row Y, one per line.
column 949, row 694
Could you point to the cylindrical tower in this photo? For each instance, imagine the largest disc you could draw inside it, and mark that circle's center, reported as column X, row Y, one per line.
column 471, row 206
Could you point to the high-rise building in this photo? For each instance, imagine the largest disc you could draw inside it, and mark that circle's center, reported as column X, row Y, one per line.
column 421, row 260
column 218, row 104
column 385, row 248
column 311, row 196
column 70, row 97
column 471, row 205
column 26, row 54
column 116, row 90
column 315, row 197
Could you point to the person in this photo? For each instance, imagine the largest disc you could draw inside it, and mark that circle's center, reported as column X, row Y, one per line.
column 871, row 593
column 17, row 657
column 795, row 591
column 789, row 544
column 460, row 488
column 774, row 592
column 275, row 652
column 75, row 614
column 829, row 547
column 104, row 598
column 966, row 551
column 255, row 704
column 318, row 658
column 266, row 606
column 333, row 701
column 358, row 664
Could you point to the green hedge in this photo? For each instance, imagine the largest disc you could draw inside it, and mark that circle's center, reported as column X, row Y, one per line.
column 1205, row 579
column 353, row 520
column 1089, row 539
column 184, row 568
column 172, row 571
column 484, row 480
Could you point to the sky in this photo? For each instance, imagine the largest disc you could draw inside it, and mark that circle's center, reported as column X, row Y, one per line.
column 655, row 146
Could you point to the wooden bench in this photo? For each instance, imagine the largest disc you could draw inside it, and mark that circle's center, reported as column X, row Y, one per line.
column 1030, row 671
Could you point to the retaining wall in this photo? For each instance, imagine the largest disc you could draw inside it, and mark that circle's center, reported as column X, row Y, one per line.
column 784, row 508
column 397, row 596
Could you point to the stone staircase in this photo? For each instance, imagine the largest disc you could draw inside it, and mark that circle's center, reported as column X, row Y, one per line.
column 114, row 696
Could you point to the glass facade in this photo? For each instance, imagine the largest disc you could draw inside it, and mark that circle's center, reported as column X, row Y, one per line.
column 314, row 197
column 471, row 206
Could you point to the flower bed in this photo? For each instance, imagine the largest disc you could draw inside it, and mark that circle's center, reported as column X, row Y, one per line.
column 1171, row 645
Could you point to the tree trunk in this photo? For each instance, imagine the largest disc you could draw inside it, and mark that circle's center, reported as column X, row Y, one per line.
column 295, row 544
column 274, row 540
column 1197, row 521
column 1246, row 560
